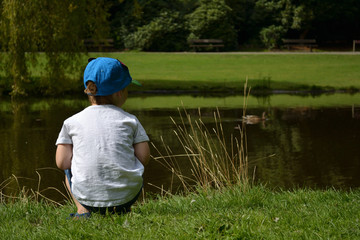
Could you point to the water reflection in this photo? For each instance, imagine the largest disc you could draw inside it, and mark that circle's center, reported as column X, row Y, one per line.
column 312, row 147
column 298, row 145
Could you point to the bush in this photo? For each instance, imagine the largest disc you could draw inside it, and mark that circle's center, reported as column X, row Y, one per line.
column 212, row 20
column 164, row 33
column 271, row 36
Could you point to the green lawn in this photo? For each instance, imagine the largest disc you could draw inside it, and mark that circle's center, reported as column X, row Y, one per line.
column 226, row 71
column 255, row 213
column 285, row 71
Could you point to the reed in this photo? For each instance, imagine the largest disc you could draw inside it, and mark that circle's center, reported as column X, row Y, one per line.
column 216, row 160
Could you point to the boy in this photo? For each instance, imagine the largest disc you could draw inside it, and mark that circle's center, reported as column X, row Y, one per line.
column 103, row 149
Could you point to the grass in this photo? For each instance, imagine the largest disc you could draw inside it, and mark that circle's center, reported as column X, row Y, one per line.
column 227, row 72
column 215, row 161
column 167, row 102
column 276, row 101
column 233, row 213
column 284, row 71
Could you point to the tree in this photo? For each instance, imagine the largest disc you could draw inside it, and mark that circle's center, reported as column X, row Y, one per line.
column 244, row 18
column 56, row 28
column 156, row 25
column 212, row 20
column 334, row 20
column 280, row 16
column 160, row 25
column 17, row 38
column 164, row 33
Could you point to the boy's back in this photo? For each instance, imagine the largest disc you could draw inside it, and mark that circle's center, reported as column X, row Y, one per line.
column 103, row 162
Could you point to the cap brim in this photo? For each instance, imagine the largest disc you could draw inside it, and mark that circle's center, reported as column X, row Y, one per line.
column 136, row 82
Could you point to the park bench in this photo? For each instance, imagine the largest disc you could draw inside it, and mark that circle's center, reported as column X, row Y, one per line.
column 354, row 43
column 99, row 44
column 206, row 43
column 300, row 43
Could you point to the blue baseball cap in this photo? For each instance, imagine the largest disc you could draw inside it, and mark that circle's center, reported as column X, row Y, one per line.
column 109, row 75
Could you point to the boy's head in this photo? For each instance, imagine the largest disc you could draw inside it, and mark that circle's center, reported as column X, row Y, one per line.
column 109, row 75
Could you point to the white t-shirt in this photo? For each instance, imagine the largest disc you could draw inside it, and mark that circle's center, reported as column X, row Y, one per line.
column 105, row 170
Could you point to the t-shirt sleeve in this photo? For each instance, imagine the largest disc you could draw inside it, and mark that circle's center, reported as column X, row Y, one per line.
column 140, row 133
column 64, row 137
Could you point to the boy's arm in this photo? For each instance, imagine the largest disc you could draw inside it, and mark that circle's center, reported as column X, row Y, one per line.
column 142, row 152
column 63, row 156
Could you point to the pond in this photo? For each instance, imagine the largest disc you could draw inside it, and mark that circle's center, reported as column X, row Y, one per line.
column 305, row 141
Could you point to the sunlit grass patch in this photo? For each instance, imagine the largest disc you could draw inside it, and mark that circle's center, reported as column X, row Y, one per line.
column 256, row 212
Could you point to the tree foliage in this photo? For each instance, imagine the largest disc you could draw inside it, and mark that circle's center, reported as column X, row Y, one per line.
column 155, row 25
column 211, row 20
column 237, row 22
column 17, row 37
column 283, row 15
column 53, row 27
column 163, row 33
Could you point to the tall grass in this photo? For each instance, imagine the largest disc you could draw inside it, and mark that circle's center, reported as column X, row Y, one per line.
column 12, row 191
column 217, row 161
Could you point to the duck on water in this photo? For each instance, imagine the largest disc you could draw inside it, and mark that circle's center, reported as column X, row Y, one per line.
column 254, row 119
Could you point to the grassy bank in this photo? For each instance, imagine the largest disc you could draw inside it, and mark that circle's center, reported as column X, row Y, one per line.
column 193, row 102
column 234, row 213
column 227, row 72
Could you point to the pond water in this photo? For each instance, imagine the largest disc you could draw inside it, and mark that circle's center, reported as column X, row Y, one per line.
column 305, row 141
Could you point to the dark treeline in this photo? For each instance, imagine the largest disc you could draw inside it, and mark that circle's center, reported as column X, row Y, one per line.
column 161, row 25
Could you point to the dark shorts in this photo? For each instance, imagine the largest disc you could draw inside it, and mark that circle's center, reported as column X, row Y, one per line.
column 120, row 209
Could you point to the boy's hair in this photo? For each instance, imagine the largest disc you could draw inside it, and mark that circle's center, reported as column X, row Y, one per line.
column 91, row 91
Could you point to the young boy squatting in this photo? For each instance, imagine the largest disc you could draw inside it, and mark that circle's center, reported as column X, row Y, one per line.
column 103, row 149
